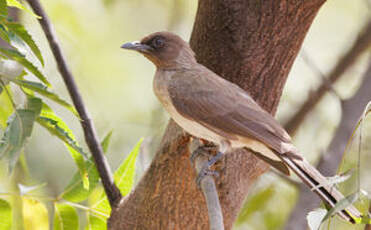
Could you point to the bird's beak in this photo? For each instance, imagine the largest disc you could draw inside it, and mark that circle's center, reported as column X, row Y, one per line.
column 137, row 46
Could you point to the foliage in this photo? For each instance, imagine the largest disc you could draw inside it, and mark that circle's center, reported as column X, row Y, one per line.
column 5, row 215
column 17, row 121
column 22, row 70
column 65, row 217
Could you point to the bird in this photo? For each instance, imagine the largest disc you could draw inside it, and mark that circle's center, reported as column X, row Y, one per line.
column 209, row 107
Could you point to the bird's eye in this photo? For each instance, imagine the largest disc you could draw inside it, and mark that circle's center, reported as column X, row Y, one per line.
column 158, row 42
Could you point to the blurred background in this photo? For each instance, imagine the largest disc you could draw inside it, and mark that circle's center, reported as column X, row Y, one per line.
column 117, row 88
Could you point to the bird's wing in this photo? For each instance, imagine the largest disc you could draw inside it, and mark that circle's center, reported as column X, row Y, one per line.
column 220, row 105
column 204, row 97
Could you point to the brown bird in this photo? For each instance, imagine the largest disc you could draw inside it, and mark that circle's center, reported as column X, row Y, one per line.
column 212, row 108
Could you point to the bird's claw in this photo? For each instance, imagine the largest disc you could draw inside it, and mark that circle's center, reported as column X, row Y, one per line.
column 206, row 171
column 201, row 150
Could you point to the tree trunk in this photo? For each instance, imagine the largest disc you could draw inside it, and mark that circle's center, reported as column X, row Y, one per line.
column 253, row 44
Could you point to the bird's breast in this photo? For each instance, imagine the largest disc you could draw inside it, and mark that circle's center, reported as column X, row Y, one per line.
column 160, row 88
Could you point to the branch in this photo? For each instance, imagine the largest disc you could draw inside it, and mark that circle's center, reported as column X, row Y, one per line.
column 209, row 190
column 351, row 111
column 91, row 137
column 363, row 41
column 310, row 63
column 211, row 196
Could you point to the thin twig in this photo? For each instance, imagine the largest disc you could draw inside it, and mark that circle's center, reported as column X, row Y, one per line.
column 208, row 188
column 363, row 41
column 91, row 137
column 210, row 192
column 316, row 70
column 33, row 196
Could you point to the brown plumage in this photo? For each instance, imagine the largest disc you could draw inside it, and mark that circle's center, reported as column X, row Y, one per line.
column 212, row 108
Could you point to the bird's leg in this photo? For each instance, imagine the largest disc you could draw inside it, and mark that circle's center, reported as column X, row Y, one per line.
column 202, row 150
column 205, row 170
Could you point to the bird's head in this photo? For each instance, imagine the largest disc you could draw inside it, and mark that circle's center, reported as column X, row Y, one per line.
column 164, row 49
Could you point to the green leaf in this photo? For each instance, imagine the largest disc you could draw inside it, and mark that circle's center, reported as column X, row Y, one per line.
column 34, row 104
column 65, row 217
column 20, row 58
column 21, row 32
column 6, row 108
column 3, row 32
column 96, row 223
column 106, row 141
column 35, row 214
column 5, row 215
column 43, row 90
column 75, row 191
column 19, row 127
column 57, row 127
column 3, row 8
column 124, row 175
column 15, row 3
column 342, row 204
column 102, row 204
column 124, row 179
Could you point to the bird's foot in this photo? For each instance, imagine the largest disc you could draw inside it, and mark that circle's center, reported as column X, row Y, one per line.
column 203, row 150
column 206, row 171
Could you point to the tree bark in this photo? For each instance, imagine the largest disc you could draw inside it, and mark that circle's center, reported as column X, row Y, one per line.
column 253, row 44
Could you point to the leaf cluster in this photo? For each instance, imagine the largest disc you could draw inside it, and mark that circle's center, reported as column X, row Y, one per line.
column 17, row 122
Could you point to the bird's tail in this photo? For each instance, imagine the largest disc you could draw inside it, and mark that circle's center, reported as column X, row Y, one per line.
column 320, row 185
